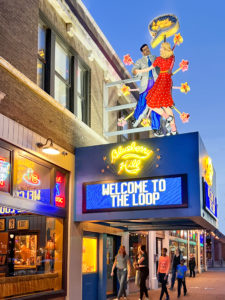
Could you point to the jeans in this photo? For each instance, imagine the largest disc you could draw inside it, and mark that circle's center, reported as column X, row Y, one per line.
column 181, row 281
column 192, row 271
column 143, row 276
column 174, row 272
column 163, row 281
column 122, row 278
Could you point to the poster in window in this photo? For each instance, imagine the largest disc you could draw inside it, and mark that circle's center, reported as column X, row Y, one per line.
column 12, row 223
column 4, row 237
column 23, row 224
column 32, row 180
column 2, row 224
column 5, row 170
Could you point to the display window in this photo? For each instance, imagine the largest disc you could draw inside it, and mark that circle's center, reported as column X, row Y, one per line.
column 89, row 255
column 31, row 254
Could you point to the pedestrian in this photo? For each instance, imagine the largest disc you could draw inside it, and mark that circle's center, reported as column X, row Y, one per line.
column 181, row 274
column 192, row 265
column 136, row 267
column 123, row 265
column 163, row 271
column 176, row 262
column 144, row 272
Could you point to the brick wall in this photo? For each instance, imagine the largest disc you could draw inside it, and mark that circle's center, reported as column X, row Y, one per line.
column 19, row 35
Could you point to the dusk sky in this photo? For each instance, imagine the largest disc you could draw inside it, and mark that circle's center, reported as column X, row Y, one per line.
column 202, row 25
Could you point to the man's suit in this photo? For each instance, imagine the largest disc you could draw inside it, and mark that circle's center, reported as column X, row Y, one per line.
column 146, row 83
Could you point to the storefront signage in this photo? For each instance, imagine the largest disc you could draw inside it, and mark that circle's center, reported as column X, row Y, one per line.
column 31, row 178
column 35, row 195
column 4, row 171
column 210, row 200
column 8, row 211
column 134, row 194
column 130, row 158
column 208, row 170
column 60, row 190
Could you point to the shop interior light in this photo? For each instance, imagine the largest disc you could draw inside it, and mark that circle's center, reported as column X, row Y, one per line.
column 48, row 149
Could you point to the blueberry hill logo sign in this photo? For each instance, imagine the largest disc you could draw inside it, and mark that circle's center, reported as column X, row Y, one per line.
column 130, row 159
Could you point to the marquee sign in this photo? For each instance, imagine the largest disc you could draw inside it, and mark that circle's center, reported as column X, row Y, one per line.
column 135, row 194
column 130, row 158
column 210, row 200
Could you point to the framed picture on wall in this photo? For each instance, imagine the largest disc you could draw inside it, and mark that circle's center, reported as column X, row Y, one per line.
column 2, row 224
column 23, row 224
column 2, row 259
column 12, row 223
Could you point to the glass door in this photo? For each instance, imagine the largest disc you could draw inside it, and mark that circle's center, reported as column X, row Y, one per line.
column 110, row 256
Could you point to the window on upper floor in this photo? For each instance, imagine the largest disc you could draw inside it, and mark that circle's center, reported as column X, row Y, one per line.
column 62, row 78
column 41, row 59
column 62, row 73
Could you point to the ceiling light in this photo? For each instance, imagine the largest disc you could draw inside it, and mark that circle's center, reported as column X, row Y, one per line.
column 48, row 149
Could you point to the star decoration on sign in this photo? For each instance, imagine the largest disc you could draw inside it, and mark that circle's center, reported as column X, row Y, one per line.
column 158, row 157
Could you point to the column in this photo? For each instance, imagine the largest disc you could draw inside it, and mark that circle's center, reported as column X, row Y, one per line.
column 102, row 267
column 205, row 258
column 153, row 282
column 198, row 253
column 125, row 242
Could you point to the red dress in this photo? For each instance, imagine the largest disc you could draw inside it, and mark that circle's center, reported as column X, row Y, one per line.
column 160, row 94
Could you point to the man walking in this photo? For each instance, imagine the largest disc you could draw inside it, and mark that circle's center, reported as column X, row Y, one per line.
column 147, row 82
column 192, row 265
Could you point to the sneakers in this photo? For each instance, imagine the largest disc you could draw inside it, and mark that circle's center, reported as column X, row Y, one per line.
column 158, row 133
column 168, row 121
column 171, row 133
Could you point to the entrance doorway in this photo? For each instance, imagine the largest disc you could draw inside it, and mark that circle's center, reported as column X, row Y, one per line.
column 90, row 267
column 111, row 251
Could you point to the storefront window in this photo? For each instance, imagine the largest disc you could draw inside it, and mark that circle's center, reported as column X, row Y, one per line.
column 4, row 170
column 32, row 180
column 89, row 255
column 135, row 240
column 31, row 253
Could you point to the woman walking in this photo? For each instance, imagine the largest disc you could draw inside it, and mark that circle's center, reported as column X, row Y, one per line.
column 159, row 97
column 163, row 271
column 122, row 263
column 144, row 271
column 176, row 262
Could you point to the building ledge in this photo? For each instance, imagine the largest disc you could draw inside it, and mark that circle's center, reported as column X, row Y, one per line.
column 25, row 102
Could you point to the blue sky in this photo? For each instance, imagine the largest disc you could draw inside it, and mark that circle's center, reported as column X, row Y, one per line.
column 202, row 25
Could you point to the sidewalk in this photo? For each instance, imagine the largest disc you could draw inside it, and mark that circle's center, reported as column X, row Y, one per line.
column 206, row 286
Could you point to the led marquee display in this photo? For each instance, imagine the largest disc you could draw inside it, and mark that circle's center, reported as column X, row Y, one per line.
column 135, row 194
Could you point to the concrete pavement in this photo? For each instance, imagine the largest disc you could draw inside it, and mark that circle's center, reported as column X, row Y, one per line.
column 206, row 286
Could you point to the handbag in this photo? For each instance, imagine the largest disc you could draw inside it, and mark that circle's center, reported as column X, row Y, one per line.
column 137, row 278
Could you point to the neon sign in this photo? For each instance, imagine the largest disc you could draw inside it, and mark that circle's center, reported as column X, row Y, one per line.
column 4, row 171
column 130, row 158
column 60, row 190
column 31, row 178
column 7, row 211
column 210, row 200
column 208, row 170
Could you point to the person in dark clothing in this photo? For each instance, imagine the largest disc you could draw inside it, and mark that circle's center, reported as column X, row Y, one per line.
column 181, row 273
column 144, row 271
column 176, row 262
column 192, row 265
